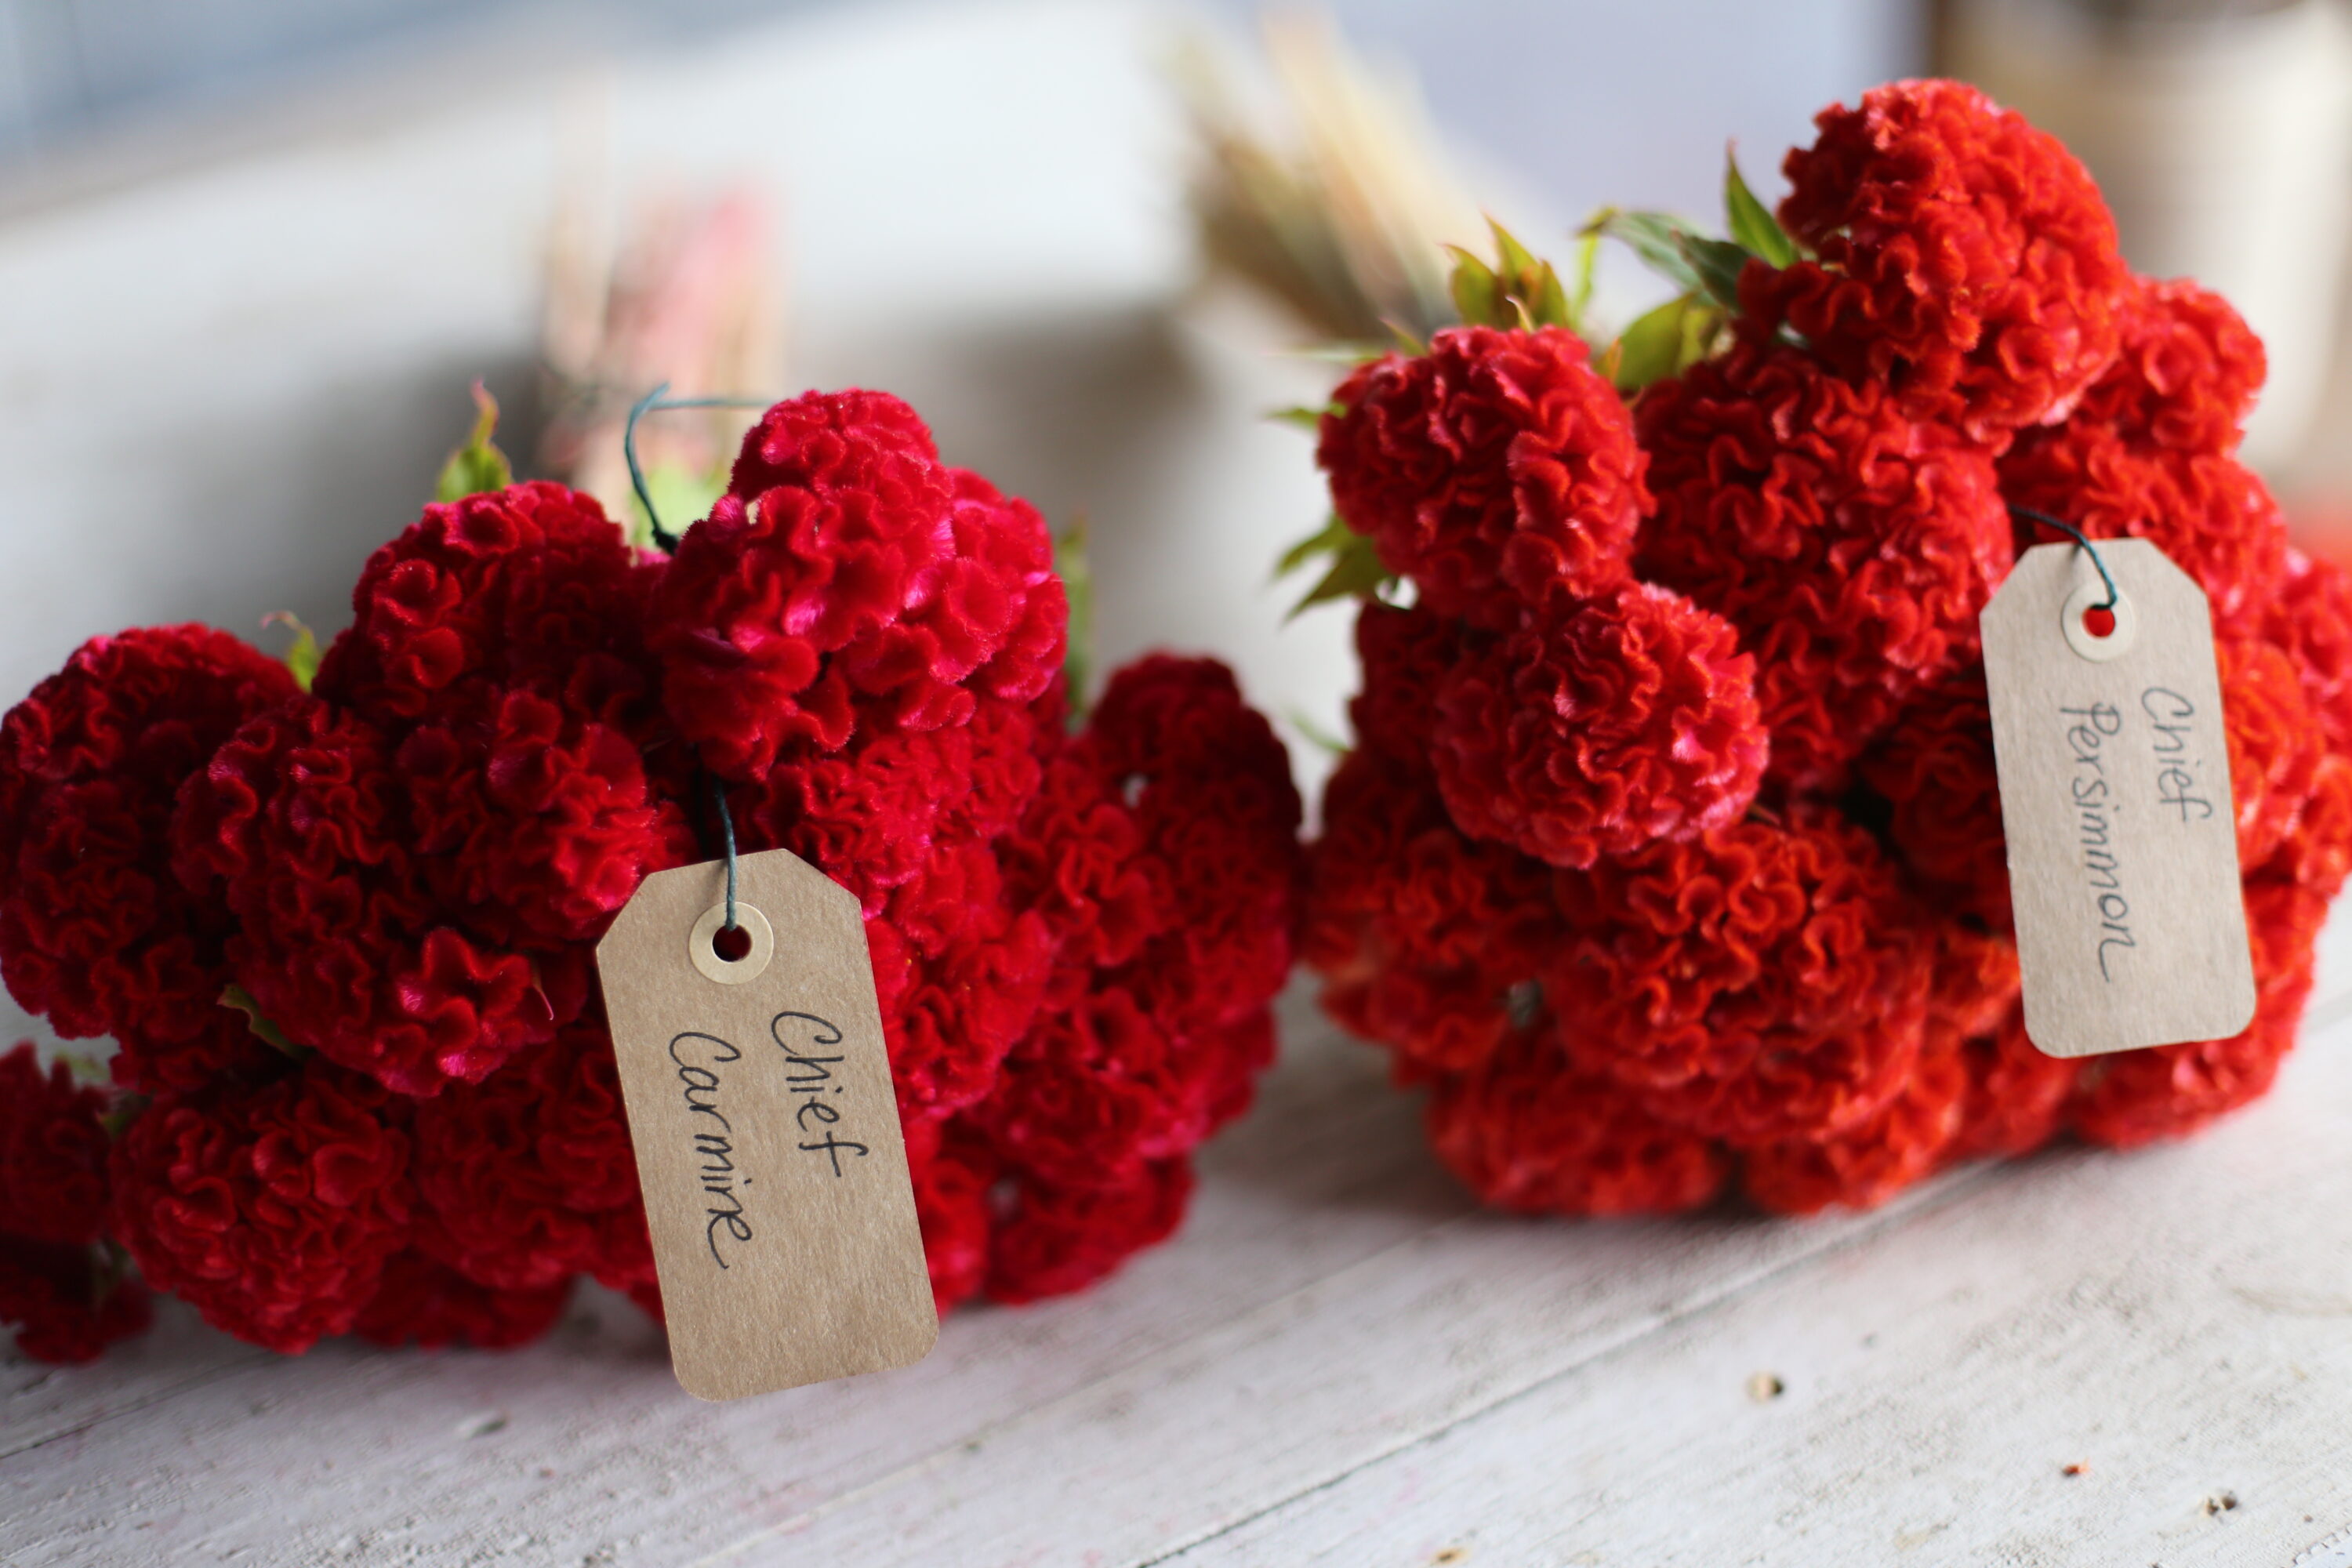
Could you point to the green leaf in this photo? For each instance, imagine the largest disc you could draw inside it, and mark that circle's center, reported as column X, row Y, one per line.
column 1752, row 223
column 1588, row 258
column 477, row 466
column 1664, row 341
column 1549, row 307
column 1356, row 573
column 1078, row 584
column 1404, row 338
column 1330, row 541
column 1307, row 418
column 269, row 1034
column 1518, row 260
column 1477, row 291
column 1655, row 239
column 1718, row 264
column 301, row 655
column 1321, row 738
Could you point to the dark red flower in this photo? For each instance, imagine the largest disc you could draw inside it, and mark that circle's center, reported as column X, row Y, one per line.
column 432, row 1306
column 66, row 1303
column 302, row 823
column 94, row 932
column 1404, row 654
column 1050, row 1240
column 271, row 1211
column 52, row 1152
column 953, row 1172
column 1497, row 469
column 1527, row 1130
column 529, row 1177
column 525, row 587
column 1626, row 719
column 1961, row 258
column 1210, row 789
column 847, row 568
column 1852, row 545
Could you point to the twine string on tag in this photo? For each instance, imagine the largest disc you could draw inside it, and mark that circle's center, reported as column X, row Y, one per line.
column 654, row 403
column 727, row 831
column 2089, row 548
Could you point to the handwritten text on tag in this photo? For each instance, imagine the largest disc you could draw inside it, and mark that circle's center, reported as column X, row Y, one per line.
column 759, row 1105
column 2114, row 797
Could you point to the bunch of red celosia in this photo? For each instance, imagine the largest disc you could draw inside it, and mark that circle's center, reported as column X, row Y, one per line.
column 1669, row 851
column 407, row 1124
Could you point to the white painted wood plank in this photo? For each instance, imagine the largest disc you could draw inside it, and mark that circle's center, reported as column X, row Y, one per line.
column 2175, row 1321
column 385, row 1455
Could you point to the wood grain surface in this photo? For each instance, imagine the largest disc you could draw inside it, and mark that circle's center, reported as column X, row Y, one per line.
column 1338, row 1360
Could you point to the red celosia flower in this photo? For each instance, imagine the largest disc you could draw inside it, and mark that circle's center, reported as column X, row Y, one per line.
column 302, row 822
column 527, row 1177
column 2168, row 1091
column 2276, row 749
column 95, row 931
column 877, row 813
column 528, row 587
column 2311, row 619
column 2187, row 375
column 533, row 827
column 52, row 1152
column 847, row 567
column 2016, row 1096
column 1963, row 258
column 1976, row 979
column 271, row 1211
column 1497, row 469
column 431, row 1305
column 2148, row 453
column 1210, row 789
column 1404, row 655
column 2210, row 514
column 952, row 1171
column 1050, row 1239
column 1428, row 941
column 67, row 1304
column 1934, row 768
column 959, row 982
column 1852, row 546
column 1629, row 718
column 1527, row 1130
column 2317, row 854
column 1864, row 1167
column 1759, row 983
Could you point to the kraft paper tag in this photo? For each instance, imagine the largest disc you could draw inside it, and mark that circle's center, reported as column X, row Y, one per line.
column 759, row 1105
column 2114, row 797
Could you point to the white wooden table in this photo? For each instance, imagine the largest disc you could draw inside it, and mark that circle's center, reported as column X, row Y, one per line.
column 1340, row 1361
column 219, row 390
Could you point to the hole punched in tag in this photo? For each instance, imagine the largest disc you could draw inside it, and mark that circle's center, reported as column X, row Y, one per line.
column 2099, row 623
column 732, row 942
